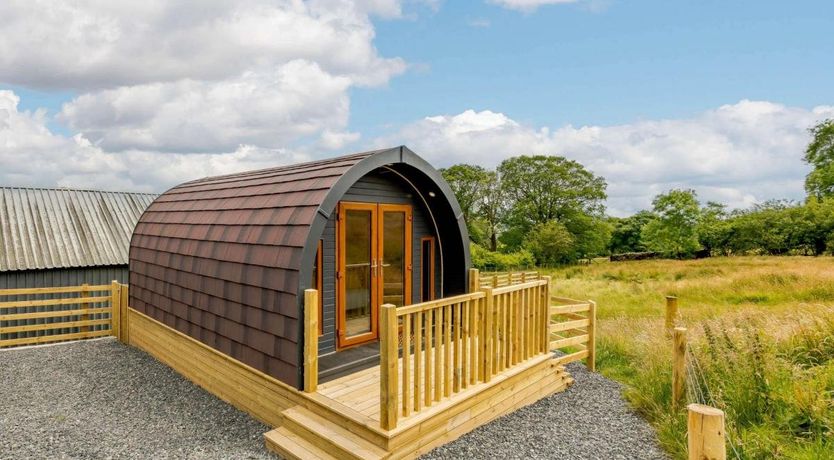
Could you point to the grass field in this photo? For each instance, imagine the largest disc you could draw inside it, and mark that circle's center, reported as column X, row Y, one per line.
column 761, row 333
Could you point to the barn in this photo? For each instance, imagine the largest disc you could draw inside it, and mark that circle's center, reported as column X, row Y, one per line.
column 64, row 237
column 226, row 260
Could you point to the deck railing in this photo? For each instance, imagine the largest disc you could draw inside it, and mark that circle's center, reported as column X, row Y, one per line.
column 452, row 343
column 501, row 279
column 57, row 314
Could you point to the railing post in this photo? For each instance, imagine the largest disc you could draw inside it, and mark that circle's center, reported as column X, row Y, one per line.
column 488, row 353
column 671, row 313
column 388, row 357
column 592, row 334
column 474, row 280
column 84, row 305
column 311, row 340
column 115, row 310
column 547, row 316
column 125, row 315
column 679, row 366
column 705, row 433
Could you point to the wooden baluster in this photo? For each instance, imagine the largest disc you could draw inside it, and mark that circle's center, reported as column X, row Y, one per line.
column 438, row 354
column 487, row 336
column 418, row 361
column 463, row 364
column 448, row 365
column 456, row 350
column 427, row 391
column 406, row 365
column 311, row 340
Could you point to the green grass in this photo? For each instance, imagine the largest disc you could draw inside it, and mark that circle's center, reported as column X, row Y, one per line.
column 760, row 328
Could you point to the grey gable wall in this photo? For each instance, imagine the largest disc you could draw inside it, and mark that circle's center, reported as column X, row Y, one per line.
column 376, row 187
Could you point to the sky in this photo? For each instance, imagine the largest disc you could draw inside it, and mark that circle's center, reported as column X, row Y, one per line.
column 715, row 96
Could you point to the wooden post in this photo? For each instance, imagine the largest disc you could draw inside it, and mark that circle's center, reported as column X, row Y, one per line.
column 474, row 280
column 678, row 367
column 547, row 317
column 125, row 315
column 671, row 313
column 488, row 353
column 84, row 305
column 592, row 334
column 705, row 433
column 388, row 357
column 115, row 309
column 311, row 340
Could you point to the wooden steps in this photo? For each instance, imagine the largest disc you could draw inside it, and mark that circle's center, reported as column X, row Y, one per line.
column 303, row 429
column 292, row 446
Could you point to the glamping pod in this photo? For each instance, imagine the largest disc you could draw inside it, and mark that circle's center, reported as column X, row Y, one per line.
column 226, row 260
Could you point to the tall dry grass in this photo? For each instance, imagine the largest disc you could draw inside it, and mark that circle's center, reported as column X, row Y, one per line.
column 760, row 328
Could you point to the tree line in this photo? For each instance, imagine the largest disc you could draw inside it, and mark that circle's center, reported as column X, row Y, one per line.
column 549, row 210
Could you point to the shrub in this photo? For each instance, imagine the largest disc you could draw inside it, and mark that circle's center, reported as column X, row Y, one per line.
column 484, row 259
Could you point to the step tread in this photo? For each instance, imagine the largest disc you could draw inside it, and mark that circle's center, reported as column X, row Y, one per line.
column 331, row 432
column 293, row 446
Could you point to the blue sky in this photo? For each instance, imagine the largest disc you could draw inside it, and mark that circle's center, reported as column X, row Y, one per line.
column 573, row 64
column 711, row 95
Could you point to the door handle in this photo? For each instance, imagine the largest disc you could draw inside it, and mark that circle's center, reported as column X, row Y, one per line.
column 373, row 267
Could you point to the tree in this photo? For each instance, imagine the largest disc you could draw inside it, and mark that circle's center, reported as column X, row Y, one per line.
column 820, row 155
column 540, row 189
column 544, row 188
column 626, row 233
column 551, row 243
column 469, row 183
column 714, row 228
column 674, row 231
column 493, row 209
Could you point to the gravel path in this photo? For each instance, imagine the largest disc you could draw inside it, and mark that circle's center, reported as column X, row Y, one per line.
column 588, row 421
column 100, row 399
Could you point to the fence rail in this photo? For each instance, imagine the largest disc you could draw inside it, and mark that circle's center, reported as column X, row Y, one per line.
column 572, row 330
column 70, row 313
column 496, row 280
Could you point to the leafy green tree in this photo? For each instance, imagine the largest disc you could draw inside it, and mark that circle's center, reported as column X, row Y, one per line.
column 715, row 228
column 469, row 183
column 590, row 233
column 820, row 155
column 674, row 232
column 551, row 243
column 493, row 209
column 626, row 233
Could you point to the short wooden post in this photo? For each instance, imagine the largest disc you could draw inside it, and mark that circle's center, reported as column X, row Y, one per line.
column 592, row 334
column 488, row 354
column 115, row 309
column 84, row 305
column 705, row 433
column 671, row 313
column 125, row 315
column 388, row 357
column 547, row 316
column 678, row 366
column 311, row 340
column 474, row 280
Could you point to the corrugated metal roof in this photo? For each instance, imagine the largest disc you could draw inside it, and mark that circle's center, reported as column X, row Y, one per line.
column 57, row 228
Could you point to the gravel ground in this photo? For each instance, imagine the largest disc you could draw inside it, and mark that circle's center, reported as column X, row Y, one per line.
column 100, row 399
column 588, row 421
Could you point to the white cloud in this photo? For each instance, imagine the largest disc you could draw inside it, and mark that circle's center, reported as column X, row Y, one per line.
column 31, row 155
column 738, row 154
column 528, row 6
column 199, row 76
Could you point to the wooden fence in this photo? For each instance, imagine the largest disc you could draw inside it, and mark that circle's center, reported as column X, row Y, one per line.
column 501, row 279
column 573, row 330
column 58, row 314
column 452, row 343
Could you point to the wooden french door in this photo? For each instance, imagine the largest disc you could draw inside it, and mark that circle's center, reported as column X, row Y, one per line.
column 374, row 266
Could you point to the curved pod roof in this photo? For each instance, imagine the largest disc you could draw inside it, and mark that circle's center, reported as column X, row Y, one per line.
column 224, row 259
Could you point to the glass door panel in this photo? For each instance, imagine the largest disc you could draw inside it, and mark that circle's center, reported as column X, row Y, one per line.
column 393, row 257
column 359, row 270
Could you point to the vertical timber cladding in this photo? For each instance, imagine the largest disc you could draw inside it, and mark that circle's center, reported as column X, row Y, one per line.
column 380, row 186
column 225, row 259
